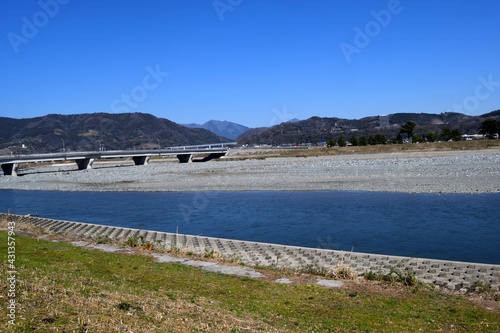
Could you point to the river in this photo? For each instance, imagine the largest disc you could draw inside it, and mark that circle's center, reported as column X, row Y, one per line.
column 462, row 227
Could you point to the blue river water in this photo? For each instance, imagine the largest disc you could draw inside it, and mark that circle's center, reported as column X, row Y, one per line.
column 460, row 227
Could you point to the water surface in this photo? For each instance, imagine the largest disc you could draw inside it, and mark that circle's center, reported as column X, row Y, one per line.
column 460, row 227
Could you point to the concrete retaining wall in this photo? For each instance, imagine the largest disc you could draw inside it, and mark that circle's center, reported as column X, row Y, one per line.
column 449, row 274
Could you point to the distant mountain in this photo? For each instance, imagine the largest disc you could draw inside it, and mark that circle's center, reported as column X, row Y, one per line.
column 223, row 128
column 92, row 131
column 318, row 129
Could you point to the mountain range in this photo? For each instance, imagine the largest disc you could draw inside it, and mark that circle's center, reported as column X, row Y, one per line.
column 80, row 132
column 316, row 129
column 53, row 133
column 223, row 128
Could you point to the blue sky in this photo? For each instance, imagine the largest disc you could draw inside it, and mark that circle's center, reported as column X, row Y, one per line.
column 254, row 62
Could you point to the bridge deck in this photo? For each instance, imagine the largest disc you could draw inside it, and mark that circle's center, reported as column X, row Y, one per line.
column 84, row 160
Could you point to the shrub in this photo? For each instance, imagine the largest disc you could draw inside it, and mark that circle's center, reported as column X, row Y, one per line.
column 147, row 246
column 344, row 272
column 315, row 270
column 480, row 287
column 407, row 277
column 101, row 240
column 132, row 242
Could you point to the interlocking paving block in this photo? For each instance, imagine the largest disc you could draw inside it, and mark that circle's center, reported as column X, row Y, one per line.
column 115, row 233
column 122, row 235
column 445, row 273
column 86, row 232
column 79, row 229
column 429, row 277
column 55, row 225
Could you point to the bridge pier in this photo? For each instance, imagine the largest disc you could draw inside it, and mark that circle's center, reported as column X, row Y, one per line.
column 141, row 160
column 211, row 157
column 85, row 164
column 185, row 158
column 10, row 169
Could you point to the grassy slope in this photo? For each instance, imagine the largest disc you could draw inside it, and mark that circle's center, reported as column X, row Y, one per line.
column 74, row 289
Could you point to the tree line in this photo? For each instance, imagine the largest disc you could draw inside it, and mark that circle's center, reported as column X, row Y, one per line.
column 489, row 127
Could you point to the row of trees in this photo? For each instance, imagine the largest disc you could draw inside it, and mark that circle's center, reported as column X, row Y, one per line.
column 380, row 139
column 431, row 136
column 489, row 127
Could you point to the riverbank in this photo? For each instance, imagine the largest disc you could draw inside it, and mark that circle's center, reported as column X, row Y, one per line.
column 135, row 292
column 454, row 171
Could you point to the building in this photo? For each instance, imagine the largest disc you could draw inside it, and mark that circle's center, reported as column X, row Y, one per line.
column 384, row 121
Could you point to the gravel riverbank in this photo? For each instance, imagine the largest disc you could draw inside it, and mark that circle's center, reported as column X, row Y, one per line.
column 411, row 172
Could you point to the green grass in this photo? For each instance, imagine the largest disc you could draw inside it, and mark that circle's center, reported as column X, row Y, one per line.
column 75, row 289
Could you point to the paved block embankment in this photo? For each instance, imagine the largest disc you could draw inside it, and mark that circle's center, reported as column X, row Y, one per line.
column 450, row 274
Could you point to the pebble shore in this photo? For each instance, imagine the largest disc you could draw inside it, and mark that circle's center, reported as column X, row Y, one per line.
column 407, row 172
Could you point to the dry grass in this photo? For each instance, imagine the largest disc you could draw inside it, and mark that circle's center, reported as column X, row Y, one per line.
column 376, row 149
column 344, row 272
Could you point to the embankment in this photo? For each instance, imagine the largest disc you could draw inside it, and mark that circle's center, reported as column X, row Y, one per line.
column 449, row 274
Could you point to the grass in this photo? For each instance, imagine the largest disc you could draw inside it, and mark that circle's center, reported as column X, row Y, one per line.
column 67, row 288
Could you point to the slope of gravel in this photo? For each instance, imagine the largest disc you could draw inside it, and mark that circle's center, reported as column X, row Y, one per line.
column 415, row 172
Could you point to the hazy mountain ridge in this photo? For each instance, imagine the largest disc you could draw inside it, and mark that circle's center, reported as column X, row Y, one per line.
column 316, row 129
column 92, row 131
column 223, row 128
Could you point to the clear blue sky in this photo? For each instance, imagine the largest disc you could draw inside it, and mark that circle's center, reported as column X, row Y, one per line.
column 254, row 62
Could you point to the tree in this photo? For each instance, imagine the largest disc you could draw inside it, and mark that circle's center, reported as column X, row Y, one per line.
column 490, row 127
column 381, row 139
column 432, row 136
column 398, row 139
column 418, row 138
column 456, row 135
column 362, row 141
column 341, row 142
column 445, row 134
column 354, row 141
column 331, row 143
column 408, row 128
column 371, row 140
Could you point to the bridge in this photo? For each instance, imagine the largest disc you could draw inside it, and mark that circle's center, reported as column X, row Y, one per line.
column 84, row 160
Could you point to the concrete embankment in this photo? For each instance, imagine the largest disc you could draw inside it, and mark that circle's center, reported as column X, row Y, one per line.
column 450, row 274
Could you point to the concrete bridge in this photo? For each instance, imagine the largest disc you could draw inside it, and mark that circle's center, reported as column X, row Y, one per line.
column 84, row 160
